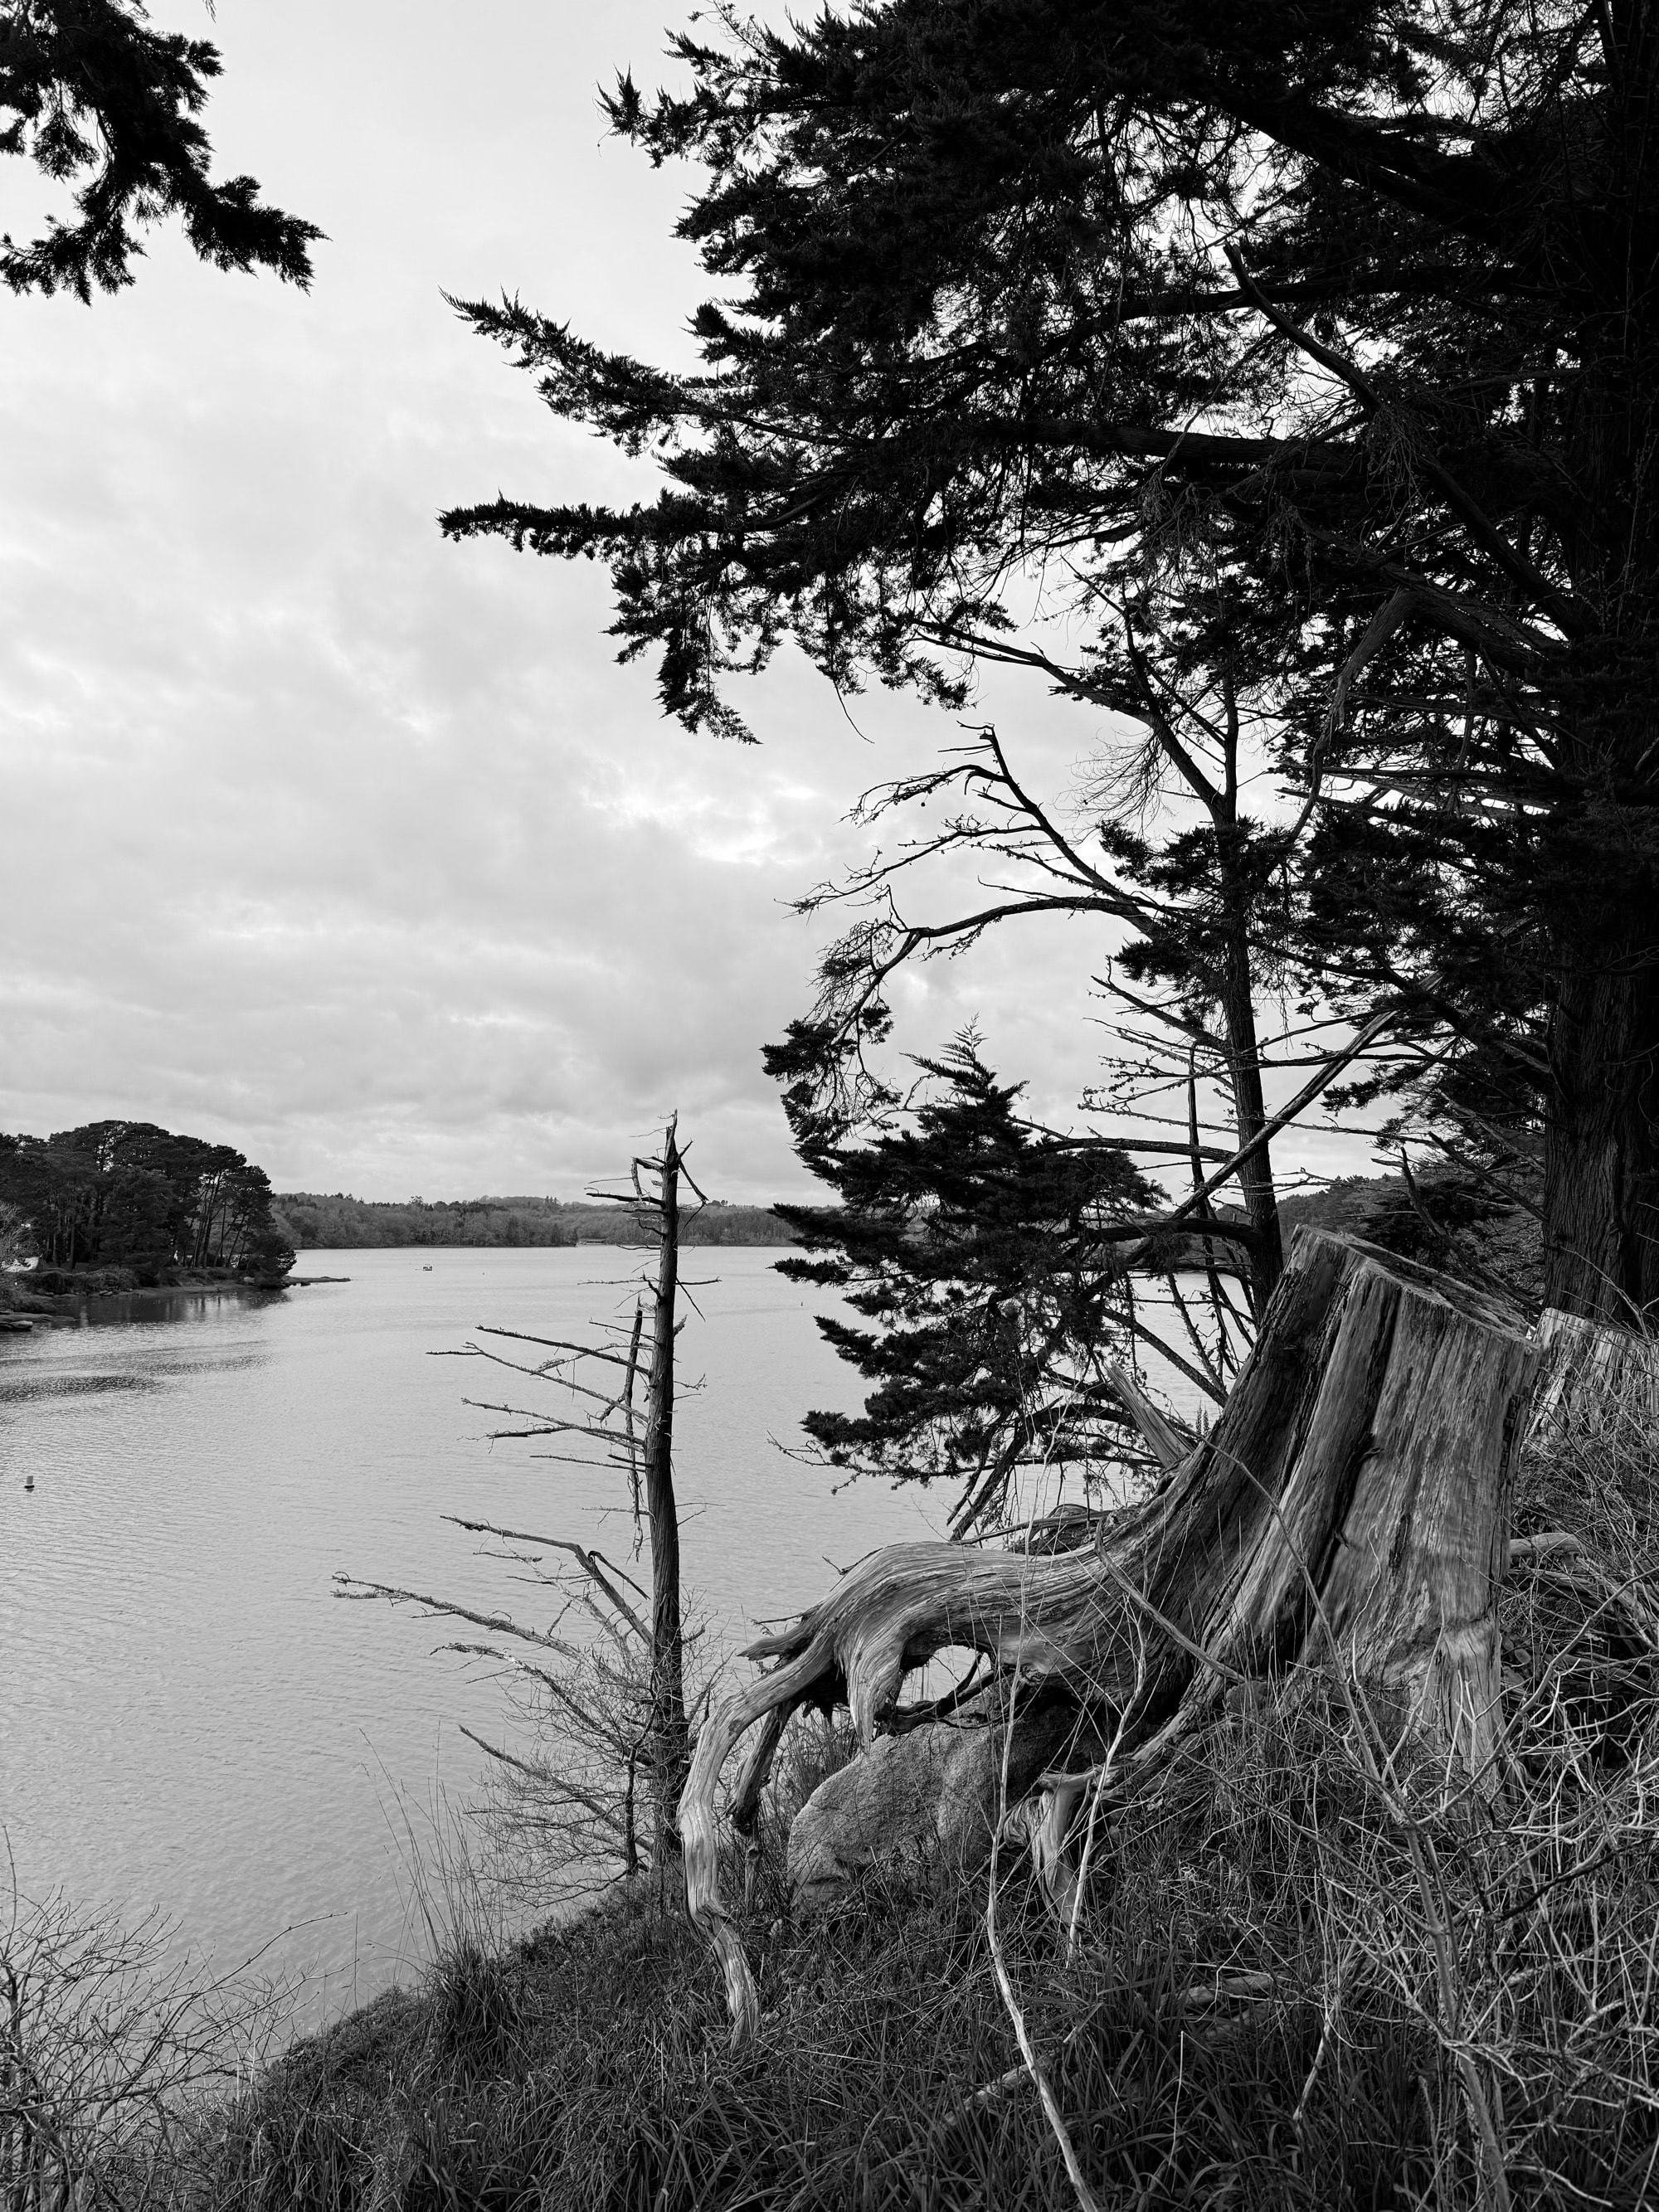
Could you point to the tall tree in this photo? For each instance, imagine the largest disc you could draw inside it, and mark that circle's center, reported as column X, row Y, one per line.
column 1345, row 314
column 128, row 1194
column 1197, row 905
column 100, row 102
column 606, row 1707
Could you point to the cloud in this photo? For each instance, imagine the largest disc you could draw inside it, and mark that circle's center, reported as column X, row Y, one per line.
column 353, row 848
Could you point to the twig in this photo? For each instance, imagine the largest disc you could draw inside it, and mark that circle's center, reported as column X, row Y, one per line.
column 1085, row 2196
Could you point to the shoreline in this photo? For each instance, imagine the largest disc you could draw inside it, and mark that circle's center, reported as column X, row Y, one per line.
column 31, row 1308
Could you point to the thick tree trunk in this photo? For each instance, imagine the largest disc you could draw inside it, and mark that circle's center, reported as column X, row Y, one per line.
column 1602, row 1145
column 1348, row 1508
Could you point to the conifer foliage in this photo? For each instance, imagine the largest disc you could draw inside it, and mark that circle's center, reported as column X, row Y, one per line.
column 974, row 1246
column 98, row 101
column 1339, row 319
column 130, row 1195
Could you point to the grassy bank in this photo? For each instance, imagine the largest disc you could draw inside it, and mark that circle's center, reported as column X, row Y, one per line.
column 1298, row 1979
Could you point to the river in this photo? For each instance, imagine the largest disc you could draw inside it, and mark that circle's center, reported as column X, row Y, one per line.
column 192, row 1720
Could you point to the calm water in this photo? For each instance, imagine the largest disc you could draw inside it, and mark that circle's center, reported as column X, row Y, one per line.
column 191, row 1718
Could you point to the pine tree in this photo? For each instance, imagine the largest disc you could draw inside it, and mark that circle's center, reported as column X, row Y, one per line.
column 96, row 99
column 980, row 1252
column 128, row 1194
column 1340, row 318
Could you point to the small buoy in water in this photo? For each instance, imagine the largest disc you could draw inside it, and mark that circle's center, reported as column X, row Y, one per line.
column 28, row 1482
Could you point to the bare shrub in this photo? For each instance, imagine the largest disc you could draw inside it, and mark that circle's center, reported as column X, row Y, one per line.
column 109, row 2041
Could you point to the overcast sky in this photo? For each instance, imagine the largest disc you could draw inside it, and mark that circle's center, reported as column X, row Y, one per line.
column 352, row 848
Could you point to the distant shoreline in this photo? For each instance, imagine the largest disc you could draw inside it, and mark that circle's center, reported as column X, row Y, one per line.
column 314, row 1222
column 24, row 1300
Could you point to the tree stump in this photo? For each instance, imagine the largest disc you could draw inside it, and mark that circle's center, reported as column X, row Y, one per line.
column 1592, row 1374
column 1348, row 1508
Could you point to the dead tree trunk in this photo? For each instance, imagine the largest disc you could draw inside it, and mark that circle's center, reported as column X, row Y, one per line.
column 619, row 1706
column 669, row 1751
column 1349, row 1507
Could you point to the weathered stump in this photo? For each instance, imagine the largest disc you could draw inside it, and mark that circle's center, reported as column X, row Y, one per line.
column 1592, row 1377
column 1348, row 1508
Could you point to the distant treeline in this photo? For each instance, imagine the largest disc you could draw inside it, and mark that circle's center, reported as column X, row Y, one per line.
column 1451, row 1227
column 321, row 1223
column 1442, row 1218
column 130, row 1195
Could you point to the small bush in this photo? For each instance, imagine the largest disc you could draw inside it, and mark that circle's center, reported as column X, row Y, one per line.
column 474, row 2010
column 109, row 2043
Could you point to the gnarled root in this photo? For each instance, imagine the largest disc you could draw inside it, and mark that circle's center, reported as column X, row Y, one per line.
column 1349, row 1504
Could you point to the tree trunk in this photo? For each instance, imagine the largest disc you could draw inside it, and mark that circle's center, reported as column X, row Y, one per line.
column 1256, row 1175
column 1349, row 1506
column 1601, row 1144
column 669, row 1751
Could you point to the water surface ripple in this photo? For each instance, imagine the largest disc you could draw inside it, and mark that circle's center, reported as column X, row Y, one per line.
column 191, row 1718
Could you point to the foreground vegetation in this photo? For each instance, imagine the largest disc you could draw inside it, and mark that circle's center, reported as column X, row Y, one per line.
column 1296, row 1981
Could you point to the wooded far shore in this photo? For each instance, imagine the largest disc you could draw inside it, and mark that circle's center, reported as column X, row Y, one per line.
column 315, row 1223
column 1420, row 1225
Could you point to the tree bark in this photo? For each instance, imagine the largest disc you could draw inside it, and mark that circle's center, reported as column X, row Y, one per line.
column 1592, row 1379
column 1349, row 1508
column 670, row 1754
column 1256, row 1174
column 1601, row 1143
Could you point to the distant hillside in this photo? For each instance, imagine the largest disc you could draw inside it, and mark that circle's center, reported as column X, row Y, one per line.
column 317, row 1223
column 1460, row 1227
column 1465, row 1233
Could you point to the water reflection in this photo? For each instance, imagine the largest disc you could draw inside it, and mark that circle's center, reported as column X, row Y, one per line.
column 72, row 1386
column 139, row 1309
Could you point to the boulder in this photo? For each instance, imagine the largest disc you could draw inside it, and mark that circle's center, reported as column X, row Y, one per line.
column 926, row 1801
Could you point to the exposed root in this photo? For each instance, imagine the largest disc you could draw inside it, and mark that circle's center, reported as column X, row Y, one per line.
column 1350, row 1502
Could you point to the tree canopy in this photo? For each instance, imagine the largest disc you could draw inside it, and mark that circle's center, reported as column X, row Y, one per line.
column 1303, row 357
column 130, row 1195
column 973, row 1243
column 100, row 102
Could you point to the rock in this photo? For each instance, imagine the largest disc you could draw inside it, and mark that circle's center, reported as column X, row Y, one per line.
column 926, row 1801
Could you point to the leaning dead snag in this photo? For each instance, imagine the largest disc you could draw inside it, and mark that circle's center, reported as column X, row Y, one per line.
column 1352, row 1493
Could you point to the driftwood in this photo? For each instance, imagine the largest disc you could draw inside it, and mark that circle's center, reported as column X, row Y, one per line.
column 1349, row 1504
